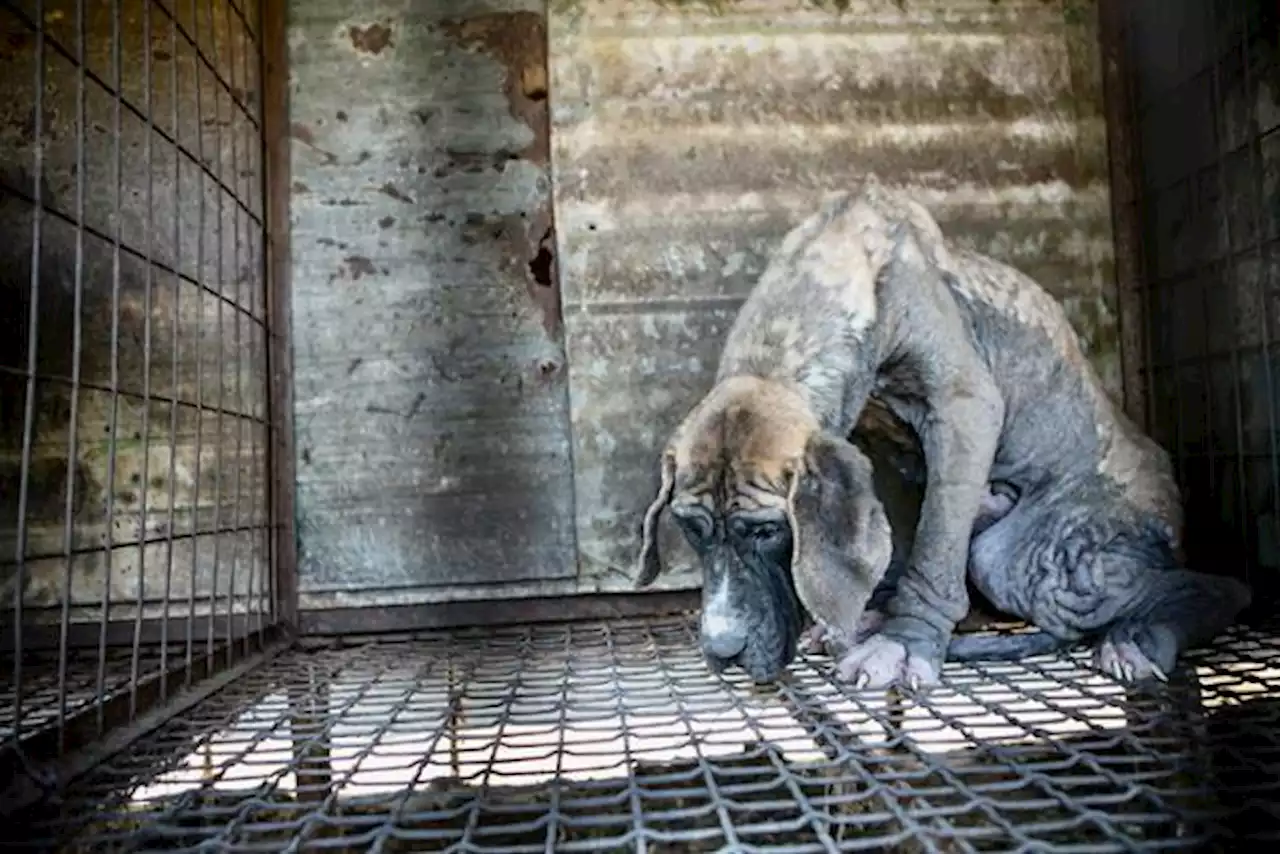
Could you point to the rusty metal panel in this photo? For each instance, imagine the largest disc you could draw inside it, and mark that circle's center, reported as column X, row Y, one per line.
column 688, row 137
column 432, row 424
column 145, row 464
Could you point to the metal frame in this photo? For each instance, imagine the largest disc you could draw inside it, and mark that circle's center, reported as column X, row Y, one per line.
column 276, row 159
column 1123, row 153
column 498, row 612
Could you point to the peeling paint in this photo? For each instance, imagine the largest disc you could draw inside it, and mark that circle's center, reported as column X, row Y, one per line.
column 518, row 42
column 373, row 39
column 394, row 192
column 359, row 266
column 307, row 137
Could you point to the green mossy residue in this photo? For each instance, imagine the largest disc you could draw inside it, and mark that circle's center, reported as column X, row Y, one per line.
column 1077, row 13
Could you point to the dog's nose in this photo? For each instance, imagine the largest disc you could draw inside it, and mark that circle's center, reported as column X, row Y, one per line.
column 722, row 638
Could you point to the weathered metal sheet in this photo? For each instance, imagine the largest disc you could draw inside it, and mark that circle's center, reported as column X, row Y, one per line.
column 431, row 399
column 167, row 475
column 688, row 138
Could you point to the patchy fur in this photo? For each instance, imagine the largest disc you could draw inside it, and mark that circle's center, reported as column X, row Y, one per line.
column 1061, row 511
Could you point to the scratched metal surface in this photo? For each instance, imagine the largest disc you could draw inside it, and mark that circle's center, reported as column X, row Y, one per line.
column 432, row 412
column 176, row 491
column 689, row 137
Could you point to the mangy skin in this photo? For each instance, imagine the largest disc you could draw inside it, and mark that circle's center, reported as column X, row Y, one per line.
column 867, row 300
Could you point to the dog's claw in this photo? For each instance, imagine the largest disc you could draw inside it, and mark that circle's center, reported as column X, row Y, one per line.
column 862, row 681
column 1125, row 661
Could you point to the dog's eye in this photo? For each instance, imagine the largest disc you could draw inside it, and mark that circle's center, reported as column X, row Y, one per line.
column 766, row 531
column 695, row 521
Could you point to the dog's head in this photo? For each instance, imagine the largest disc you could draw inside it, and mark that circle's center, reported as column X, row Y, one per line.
column 779, row 513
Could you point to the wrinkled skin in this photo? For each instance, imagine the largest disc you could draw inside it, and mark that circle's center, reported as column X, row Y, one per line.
column 762, row 522
column 866, row 301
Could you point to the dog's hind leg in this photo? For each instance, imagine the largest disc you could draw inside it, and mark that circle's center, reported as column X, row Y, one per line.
column 1172, row 611
column 1091, row 573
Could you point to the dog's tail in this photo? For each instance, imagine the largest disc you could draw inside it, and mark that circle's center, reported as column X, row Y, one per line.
column 1010, row 647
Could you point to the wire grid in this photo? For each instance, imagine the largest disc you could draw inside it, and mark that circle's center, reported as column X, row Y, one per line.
column 134, row 433
column 1206, row 73
column 614, row 736
column 43, row 685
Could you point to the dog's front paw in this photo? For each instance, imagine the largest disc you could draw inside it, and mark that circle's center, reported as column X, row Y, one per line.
column 881, row 662
column 823, row 638
column 815, row 638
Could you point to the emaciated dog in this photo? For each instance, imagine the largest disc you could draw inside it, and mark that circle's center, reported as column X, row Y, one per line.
column 1061, row 511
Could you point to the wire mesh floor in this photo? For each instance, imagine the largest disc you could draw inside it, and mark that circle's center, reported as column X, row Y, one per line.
column 85, row 681
column 613, row 736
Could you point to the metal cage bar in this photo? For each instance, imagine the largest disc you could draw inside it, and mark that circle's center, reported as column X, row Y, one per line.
column 142, row 521
column 1208, row 253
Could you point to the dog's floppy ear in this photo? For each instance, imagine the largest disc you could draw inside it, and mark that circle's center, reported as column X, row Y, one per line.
column 650, row 562
column 841, row 540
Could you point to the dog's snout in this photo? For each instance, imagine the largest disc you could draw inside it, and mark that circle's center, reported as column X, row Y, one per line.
column 723, row 638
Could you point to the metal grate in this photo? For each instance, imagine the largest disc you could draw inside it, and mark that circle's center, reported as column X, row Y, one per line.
column 612, row 736
column 135, row 533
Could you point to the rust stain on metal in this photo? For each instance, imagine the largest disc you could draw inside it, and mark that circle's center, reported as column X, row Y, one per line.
column 389, row 189
column 518, row 42
column 373, row 39
column 299, row 187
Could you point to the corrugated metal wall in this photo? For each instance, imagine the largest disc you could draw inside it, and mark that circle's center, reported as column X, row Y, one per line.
column 455, row 438
column 688, row 138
